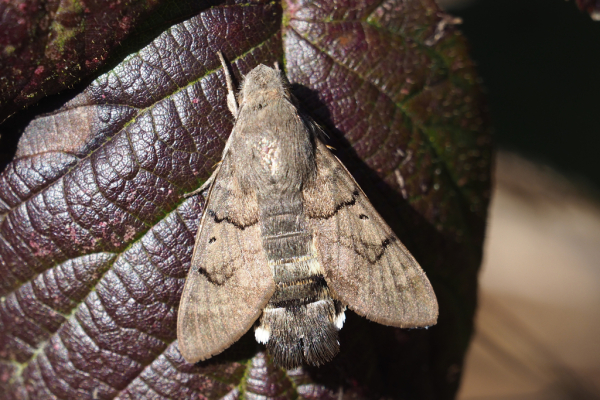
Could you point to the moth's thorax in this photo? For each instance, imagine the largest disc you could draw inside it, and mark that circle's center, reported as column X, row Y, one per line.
column 275, row 147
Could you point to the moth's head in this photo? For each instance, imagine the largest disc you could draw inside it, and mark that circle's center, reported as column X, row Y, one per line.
column 263, row 83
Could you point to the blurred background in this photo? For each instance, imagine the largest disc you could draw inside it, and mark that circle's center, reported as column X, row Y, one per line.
column 538, row 323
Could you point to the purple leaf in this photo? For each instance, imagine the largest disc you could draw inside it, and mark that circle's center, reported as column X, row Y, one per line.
column 49, row 45
column 96, row 237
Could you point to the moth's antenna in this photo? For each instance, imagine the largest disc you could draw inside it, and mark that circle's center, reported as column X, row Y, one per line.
column 231, row 101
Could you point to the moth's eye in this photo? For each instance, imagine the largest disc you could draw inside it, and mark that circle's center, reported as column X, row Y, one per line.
column 212, row 240
column 363, row 216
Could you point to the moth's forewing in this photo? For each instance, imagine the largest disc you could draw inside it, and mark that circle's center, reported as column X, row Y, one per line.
column 365, row 264
column 229, row 281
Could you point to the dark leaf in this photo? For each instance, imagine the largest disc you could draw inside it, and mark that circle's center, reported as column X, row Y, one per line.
column 49, row 45
column 96, row 238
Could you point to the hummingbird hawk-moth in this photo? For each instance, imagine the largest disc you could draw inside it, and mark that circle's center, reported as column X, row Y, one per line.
column 288, row 240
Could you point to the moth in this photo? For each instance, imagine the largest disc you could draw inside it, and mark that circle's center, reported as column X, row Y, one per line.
column 288, row 240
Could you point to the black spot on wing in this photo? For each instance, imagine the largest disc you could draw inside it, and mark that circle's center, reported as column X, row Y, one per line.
column 218, row 279
column 212, row 214
column 344, row 204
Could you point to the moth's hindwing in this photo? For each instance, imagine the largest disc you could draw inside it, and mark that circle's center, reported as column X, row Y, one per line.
column 364, row 263
column 229, row 282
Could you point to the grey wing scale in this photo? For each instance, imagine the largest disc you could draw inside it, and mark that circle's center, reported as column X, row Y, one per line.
column 365, row 264
column 229, row 282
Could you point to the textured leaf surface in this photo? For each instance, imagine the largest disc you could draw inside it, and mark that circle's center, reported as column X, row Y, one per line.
column 48, row 45
column 96, row 238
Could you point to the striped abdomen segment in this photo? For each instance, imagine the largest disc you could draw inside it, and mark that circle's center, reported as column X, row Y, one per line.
column 301, row 320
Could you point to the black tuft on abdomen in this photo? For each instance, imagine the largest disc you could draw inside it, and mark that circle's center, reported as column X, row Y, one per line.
column 302, row 334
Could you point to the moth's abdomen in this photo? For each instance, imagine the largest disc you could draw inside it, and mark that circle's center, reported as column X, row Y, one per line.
column 301, row 321
column 304, row 333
